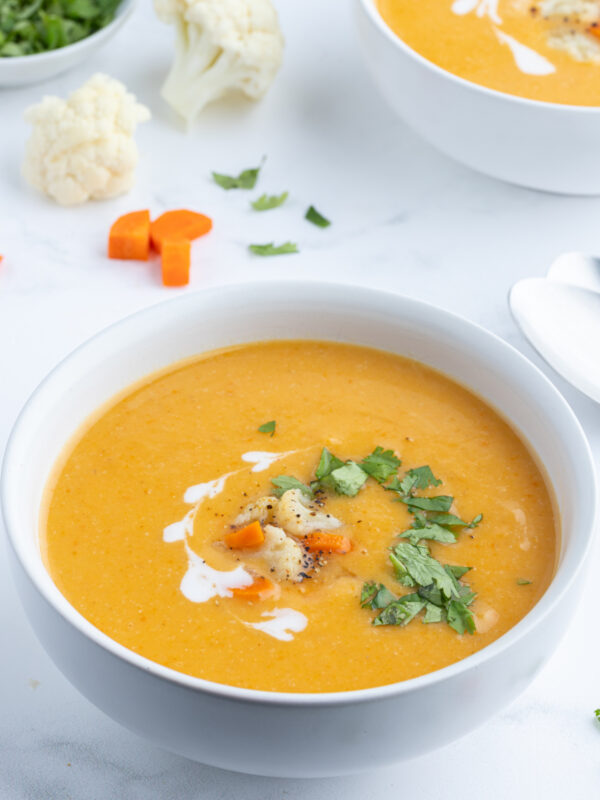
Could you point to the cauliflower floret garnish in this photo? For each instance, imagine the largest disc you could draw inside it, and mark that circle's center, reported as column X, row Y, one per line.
column 261, row 511
column 83, row 147
column 220, row 46
column 287, row 559
column 297, row 516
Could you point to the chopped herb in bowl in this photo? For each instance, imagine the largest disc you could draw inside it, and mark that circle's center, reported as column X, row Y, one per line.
column 28, row 27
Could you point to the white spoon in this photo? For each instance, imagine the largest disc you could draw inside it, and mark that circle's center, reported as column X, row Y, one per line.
column 562, row 320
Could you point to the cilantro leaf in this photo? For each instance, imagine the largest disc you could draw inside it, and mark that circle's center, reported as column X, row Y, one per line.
column 441, row 502
column 245, row 180
column 429, row 531
column 348, row 479
column 284, row 483
column 446, row 519
column 271, row 249
column 401, row 611
column 268, row 201
column 424, row 477
column 380, row 464
column 457, row 571
column 523, row 582
column 597, row 714
column 375, row 595
column 268, row 427
column 312, row 215
column 459, row 617
column 433, row 613
column 327, row 463
column 475, row 521
column 423, row 568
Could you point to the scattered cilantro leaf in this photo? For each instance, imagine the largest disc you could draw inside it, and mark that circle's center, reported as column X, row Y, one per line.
column 424, row 477
column 433, row 614
column 597, row 714
column 380, row 464
column 457, row 571
column 268, row 427
column 459, row 617
column 283, row 483
column 429, row 531
column 475, row 521
column 523, row 582
column 375, row 595
column 447, row 519
column 401, row 611
column 312, row 215
column 268, row 201
column 271, row 249
column 441, row 502
column 423, row 568
column 348, row 479
column 327, row 463
column 245, row 180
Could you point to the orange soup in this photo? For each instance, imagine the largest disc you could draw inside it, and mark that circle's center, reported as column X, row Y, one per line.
column 540, row 49
column 300, row 516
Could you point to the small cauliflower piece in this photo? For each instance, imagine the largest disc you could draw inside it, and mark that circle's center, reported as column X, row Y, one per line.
column 581, row 46
column 83, row 148
column 220, row 46
column 296, row 514
column 287, row 559
column 585, row 11
column 261, row 511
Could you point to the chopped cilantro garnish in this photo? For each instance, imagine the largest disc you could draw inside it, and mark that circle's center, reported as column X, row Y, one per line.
column 268, row 427
column 423, row 477
column 327, row 463
column 312, row 215
column 245, row 180
column 401, row 611
column 348, row 479
column 381, row 464
column 271, row 249
column 375, row 595
column 424, row 570
column 523, row 582
column 459, row 617
column 284, row 483
column 433, row 613
column 430, row 531
column 268, row 201
column 441, row 502
column 597, row 714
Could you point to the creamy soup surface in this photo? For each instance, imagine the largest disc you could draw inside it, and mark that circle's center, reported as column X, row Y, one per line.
column 141, row 505
column 542, row 49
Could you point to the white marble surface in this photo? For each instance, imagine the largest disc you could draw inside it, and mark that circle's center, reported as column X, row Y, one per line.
column 405, row 218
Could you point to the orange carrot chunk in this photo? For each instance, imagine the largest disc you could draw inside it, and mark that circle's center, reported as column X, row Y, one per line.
column 129, row 237
column 594, row 30
column 319, row 542
column 180, row 224
column 260, row 589
column 250, row 536
column 176, row 262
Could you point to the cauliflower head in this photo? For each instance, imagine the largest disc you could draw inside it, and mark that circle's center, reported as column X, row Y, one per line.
column 220, row 46
column 83, row 147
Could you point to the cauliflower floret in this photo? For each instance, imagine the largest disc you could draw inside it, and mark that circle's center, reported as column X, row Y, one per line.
column 221, row 45
column 585, row 11
column 83, row 147
column 287, row 559
column 578, row 44
column 299, row 517
column 261, row 511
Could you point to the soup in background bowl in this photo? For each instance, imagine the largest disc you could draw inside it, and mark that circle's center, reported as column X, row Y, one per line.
column 503, row 90
column 117, row 591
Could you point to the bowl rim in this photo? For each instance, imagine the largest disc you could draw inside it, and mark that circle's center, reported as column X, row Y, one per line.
column 124, row 9
column 553, row 595
column 373, row 14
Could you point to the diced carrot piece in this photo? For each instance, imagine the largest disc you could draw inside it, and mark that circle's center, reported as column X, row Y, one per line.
column 180, row 224
column 260, row 589
column 319, row 542
column 250, row 536
column 176, row 262
column 594, row 30
column 129, row 237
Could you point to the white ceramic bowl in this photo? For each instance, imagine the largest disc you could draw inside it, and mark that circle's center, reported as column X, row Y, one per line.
column 295, row 735
column 540, row 145
column 24, row 70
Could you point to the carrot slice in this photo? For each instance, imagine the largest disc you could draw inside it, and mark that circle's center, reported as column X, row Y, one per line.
column 250, row 536
column 319, row 542
column 260, row 589
column 179, row 224
column 176, row 262
column 129, row 237
column 594, row 30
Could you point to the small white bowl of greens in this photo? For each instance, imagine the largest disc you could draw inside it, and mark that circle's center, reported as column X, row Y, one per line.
column 41, row 38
